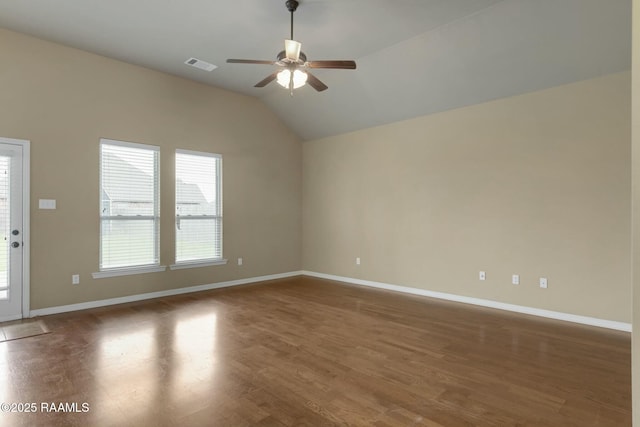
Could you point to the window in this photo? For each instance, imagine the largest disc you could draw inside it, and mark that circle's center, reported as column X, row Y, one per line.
column 129, row 205
column 198, row 207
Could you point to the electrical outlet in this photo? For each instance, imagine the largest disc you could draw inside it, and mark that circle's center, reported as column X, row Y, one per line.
column 75, row 279
column 515, row 279
column 239, row 261
column 482, row 275
column 543, row 282
column 358, row 261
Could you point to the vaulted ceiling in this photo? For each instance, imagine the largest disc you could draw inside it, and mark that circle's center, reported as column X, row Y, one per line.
column 414, row 57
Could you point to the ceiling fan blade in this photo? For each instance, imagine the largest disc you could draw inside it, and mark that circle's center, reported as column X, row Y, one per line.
column 315, row 83
column 292, row 49
column 267, row 80
column 345, row 65
column 249, row 61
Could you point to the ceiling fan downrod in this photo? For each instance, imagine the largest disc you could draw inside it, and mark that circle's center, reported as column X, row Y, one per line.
column 292, row 5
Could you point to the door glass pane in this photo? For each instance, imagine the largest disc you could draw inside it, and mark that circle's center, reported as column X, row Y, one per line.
column 5, row 235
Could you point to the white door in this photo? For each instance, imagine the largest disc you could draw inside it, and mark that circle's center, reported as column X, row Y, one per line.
column 11, row 230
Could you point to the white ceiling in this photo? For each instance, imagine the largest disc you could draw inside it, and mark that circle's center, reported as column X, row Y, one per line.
column 414, row 57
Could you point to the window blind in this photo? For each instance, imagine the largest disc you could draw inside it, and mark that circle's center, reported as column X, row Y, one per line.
column 129, row 205
column 198, row 207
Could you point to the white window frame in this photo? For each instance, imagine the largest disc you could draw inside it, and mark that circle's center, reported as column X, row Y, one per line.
column 219, row 215
column 142, row 268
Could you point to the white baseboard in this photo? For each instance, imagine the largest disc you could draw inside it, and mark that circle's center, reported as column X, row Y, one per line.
column 159, row 294
column 592, row 321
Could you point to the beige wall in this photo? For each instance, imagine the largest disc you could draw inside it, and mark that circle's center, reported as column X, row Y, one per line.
column 635, row 121
column 64, row 100
column 536, row 185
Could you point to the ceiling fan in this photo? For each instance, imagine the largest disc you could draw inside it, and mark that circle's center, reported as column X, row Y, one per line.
column 293, row 63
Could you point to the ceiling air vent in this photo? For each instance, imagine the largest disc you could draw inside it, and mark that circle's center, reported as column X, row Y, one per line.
column 200, row 64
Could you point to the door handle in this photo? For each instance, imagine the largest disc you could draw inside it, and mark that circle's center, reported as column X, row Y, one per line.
column 15, row 244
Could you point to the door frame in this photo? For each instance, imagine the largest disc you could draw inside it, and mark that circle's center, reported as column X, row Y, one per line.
column 26, row 215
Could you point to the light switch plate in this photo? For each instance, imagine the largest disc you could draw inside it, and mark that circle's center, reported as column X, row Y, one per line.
column 47, row 204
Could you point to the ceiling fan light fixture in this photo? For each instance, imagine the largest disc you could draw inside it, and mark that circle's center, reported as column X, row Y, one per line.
column 299, row 79
column 292, row 49
column 293, row 61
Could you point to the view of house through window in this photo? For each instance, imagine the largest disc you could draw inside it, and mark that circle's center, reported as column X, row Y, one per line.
column 198, row 207
column 129, row 205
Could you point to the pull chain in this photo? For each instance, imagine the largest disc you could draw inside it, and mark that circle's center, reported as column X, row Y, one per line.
column 291, row 83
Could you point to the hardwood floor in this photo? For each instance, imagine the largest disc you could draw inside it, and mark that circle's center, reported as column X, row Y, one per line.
column 311, row 352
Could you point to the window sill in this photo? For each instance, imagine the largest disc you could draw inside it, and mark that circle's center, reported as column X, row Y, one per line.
column 128, row 271
column 197, row 264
